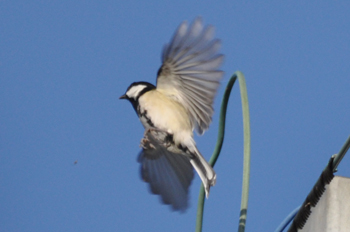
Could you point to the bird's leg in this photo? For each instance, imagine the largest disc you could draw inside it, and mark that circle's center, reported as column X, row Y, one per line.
column 163, row 136
column 145, row 141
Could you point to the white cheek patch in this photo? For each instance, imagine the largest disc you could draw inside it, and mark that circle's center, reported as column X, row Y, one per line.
column 134, row 91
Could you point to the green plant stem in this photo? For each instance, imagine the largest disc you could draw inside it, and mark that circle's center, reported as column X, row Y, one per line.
column 220, row 140
column 200, row 209
column 246, row 157
column 222, row 121
column 217, row 149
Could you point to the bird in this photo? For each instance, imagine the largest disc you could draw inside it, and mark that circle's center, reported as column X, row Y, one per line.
column 180, row 103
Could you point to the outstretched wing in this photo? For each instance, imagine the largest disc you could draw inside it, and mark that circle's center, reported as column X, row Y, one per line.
column 189, row 73
column 168, row 172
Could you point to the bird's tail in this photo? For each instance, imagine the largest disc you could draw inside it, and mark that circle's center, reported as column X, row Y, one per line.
column 204, row 170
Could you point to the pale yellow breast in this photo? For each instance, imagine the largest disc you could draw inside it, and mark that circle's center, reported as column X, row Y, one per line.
column 165, row 113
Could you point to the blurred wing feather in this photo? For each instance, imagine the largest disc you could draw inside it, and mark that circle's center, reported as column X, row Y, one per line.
column 169, row 174
column 189, row 73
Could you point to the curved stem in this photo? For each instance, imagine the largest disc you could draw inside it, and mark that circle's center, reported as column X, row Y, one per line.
column 220, row 140
column 222, row 120
column 246, row 157
column 217, row 149
column 200, row 209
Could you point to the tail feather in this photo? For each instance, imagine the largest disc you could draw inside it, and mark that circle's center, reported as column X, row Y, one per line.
column 202, row 167
column 205, row 172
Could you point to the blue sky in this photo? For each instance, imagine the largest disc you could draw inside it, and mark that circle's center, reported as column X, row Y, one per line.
column 64, row 64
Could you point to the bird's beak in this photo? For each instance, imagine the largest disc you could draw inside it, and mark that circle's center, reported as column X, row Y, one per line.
column 122, row 97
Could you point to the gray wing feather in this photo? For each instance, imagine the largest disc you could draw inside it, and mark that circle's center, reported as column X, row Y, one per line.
column 189, row 73
column 169, row 174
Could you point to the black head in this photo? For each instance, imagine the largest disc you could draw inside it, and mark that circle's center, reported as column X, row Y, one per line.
column 135, row 90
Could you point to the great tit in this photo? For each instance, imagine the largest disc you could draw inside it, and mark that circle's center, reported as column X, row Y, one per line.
column 180, row 103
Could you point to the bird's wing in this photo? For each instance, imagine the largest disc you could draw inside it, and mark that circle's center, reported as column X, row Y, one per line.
column 167, row 170
column 189, row 71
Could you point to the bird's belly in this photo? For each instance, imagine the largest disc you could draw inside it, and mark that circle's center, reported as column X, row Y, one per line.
column 164, row 113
